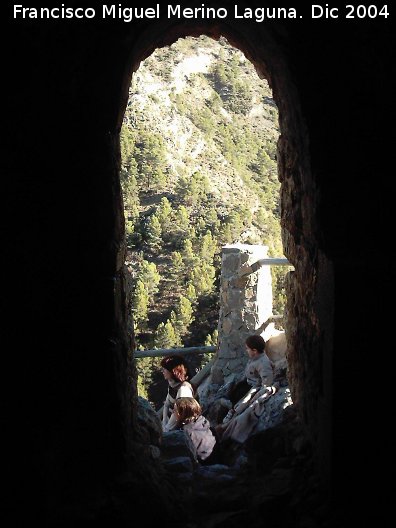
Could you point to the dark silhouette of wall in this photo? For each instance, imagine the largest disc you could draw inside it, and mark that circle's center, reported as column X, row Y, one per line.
column 69, row 371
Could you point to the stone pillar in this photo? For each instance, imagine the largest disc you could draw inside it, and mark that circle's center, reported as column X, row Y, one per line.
column 245, row 304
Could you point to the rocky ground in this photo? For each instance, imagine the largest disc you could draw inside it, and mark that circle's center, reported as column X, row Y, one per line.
column 271, row 477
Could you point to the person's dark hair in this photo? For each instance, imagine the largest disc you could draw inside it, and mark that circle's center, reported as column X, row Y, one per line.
column 256, row 342
column 177, row 366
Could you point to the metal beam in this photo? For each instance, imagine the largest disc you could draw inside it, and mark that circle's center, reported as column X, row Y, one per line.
column 274, row 262
column 159, row 352
column 248, row 270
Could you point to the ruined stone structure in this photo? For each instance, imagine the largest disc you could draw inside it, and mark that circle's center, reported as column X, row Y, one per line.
column 245, row 309
column 245, row 304
column 68, row 360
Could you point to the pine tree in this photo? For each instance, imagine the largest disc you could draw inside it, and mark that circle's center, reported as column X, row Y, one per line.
column 212, row 220
column 189, row 258
column 158, row 179
column 140, row 305
column 150, row 154
column 181, row 189
column 201, row 225
column 153, row 232
column 208, row 247
column 163, row 213
column 211, row 339
column 177, row 268
column 181, row 225
column 131, row 200
column 202, row 278
column 127, row 146
column 182, row 218
column 184, row 313
column 191, row 293
column 145, row 368
column 149, row 275
column 165, row 336
column 233, row 228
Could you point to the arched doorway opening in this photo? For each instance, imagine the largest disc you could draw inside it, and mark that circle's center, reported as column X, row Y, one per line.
column 198, row 151
column 64, row 176
column 298, row 199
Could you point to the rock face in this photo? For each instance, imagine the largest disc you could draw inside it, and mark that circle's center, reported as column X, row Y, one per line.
column 150, row 427
column 178, row 453
column 276, row 348
column 161, row 92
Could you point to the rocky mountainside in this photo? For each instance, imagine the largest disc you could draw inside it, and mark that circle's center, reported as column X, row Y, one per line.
column 184, row 93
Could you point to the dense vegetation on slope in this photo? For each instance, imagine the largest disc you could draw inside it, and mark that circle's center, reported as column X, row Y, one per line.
column 198, row 148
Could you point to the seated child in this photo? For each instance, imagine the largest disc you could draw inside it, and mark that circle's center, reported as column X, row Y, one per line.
column 189, row 418
column 254, row 389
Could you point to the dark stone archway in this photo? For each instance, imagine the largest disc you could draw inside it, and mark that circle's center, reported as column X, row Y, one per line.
column 67, row 92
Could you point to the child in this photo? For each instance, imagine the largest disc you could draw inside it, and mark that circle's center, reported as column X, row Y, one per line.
column 175, row 371
column 256, row 387
column 189, row 417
